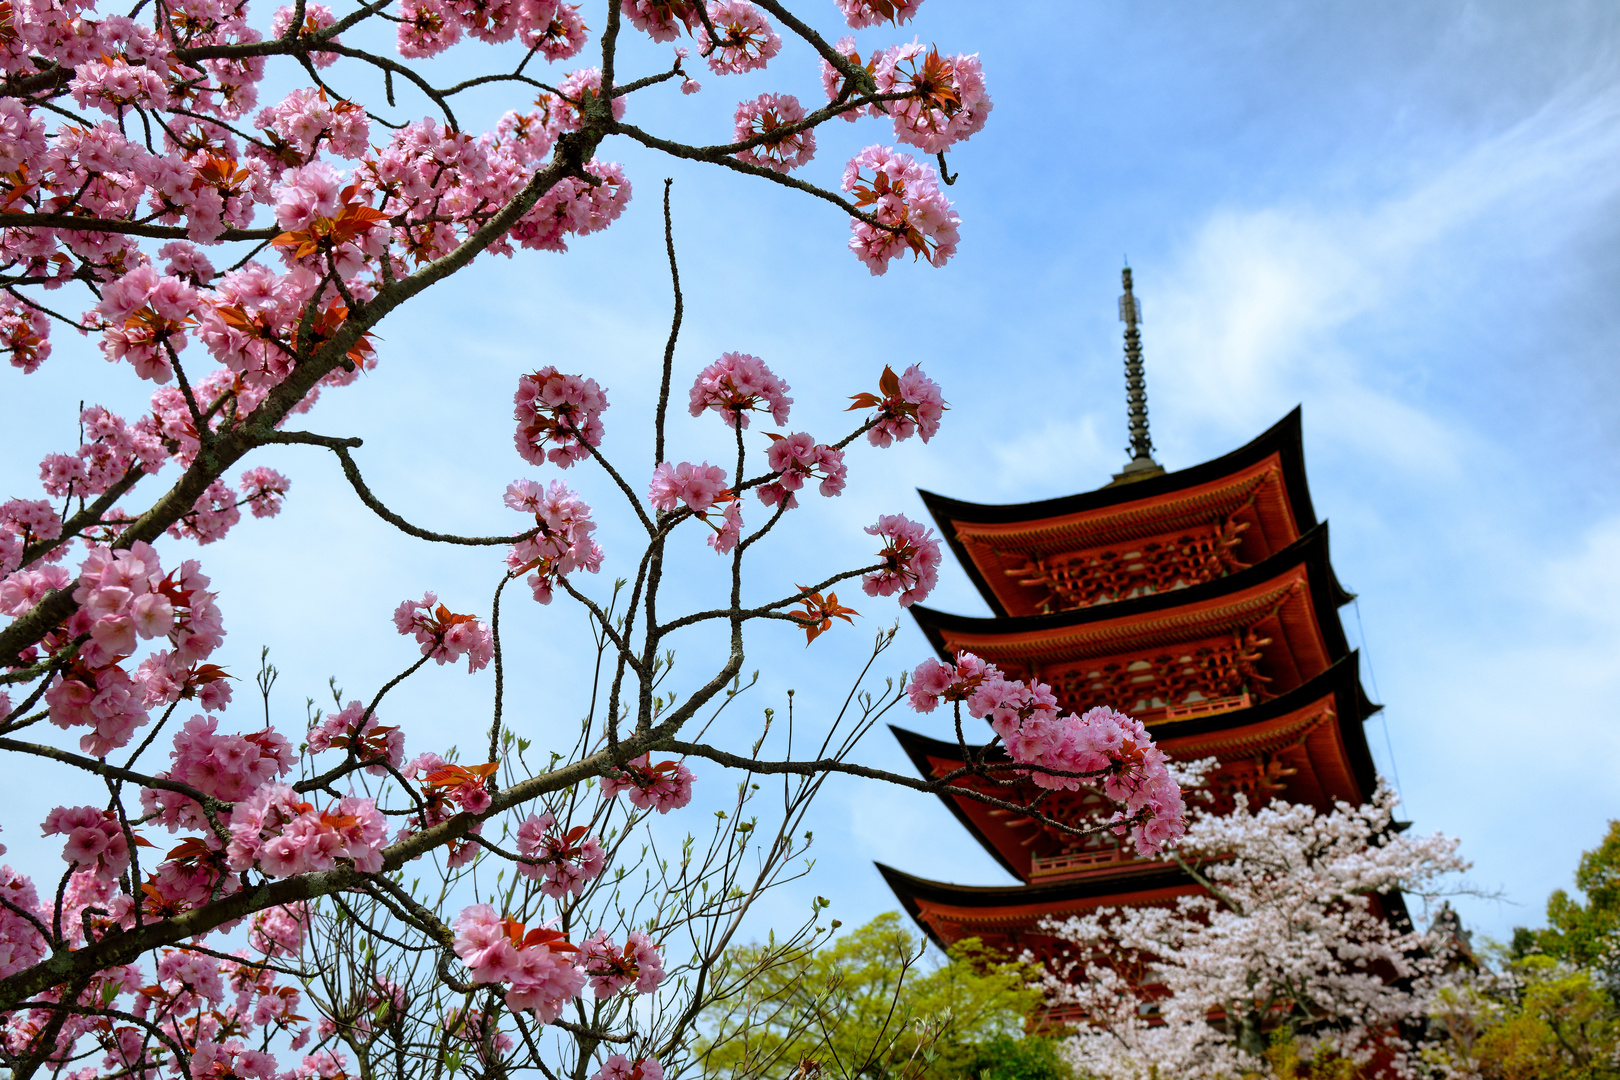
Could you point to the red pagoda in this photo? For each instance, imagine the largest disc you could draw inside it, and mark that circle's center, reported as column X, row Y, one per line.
column 1202, row 602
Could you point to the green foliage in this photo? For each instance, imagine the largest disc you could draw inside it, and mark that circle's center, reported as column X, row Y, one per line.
column 1546, row 1021
column 867, row 1006
column 1003, row 1057
column 1551, row 1012
column 1581, row 933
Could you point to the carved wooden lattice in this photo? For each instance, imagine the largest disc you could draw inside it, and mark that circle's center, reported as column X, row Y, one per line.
column 1081, row 578
column 1147, row 682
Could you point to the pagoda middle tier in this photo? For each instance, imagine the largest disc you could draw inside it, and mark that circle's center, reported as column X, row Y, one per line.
column 1202, row 602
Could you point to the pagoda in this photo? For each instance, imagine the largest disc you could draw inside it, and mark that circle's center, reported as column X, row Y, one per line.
column 1202, row 602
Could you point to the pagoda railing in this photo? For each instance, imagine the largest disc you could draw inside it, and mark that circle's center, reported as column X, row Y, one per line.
column 1074, row 862
column 1207, row 707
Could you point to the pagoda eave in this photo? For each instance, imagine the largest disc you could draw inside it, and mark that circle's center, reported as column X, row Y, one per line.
column 1282, row 612
column 1315, row 731
column 947, row 913
column 1117, row 513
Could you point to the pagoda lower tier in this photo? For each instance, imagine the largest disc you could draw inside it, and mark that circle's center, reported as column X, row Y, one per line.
column 1307, row 746
column 1225, row 644
column 1008, row 918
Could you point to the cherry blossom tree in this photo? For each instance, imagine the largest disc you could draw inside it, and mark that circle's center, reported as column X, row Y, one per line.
column 326, row 897
column 1288, row 948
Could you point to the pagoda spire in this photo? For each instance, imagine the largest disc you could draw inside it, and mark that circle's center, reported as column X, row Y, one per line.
column 1141, row 466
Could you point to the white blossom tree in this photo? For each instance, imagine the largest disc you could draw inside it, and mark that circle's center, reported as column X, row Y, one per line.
column 1294, row 939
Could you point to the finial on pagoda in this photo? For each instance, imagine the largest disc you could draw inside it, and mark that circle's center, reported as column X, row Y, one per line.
column 1141, row 466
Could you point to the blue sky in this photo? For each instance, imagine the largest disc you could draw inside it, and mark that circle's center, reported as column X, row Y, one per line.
column 1402, row 217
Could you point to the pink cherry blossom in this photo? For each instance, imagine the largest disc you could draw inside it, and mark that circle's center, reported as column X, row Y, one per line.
column 737, row 384
column 663, row 787
column 747, row 42
column 571, row 859
column 612, row 969
column 558, row 417
column 864, row 13
column 619, row 1067
column 662, row 20
column 563, row 543
column 910, row 559
column 698, row 486
column 910, row 404
column 766, row 116
column 729, row 531
column 796, row 458
column 911, row 212
column 950, row 103
column 444, row 635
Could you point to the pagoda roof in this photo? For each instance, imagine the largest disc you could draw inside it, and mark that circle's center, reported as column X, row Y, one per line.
column 948, row 913
column 1316, row 729
column 1297, row 583
column 1269, row 471
column 974, row 910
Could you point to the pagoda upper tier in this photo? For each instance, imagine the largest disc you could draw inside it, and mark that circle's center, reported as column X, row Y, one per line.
column 1306, row 746
column 1223, row 644
column 1168, row 531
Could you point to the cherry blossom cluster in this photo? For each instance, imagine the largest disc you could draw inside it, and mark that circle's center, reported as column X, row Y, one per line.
column 612, row 968
column 563, row 542
column 737, row 384
column 95, row 839
column 123, row 596
column 558, row 417
column 358, row 730
column 1100, row 748
column 662, row 787
column 910, row 560
column 279, row 931
column 537, row 966
column 947, row 102
column 796, row 458
column 110, row 448
column 443, row 635
column 428, row 27
column 620, row 1067
column 228, row 767
column 911, row 213
column 564, row 861
column 282, row 835
column 864, row 13
column 908, row 404
column 448, row 789
column 771, row 117
column 1290, row 926
column 703, row 489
